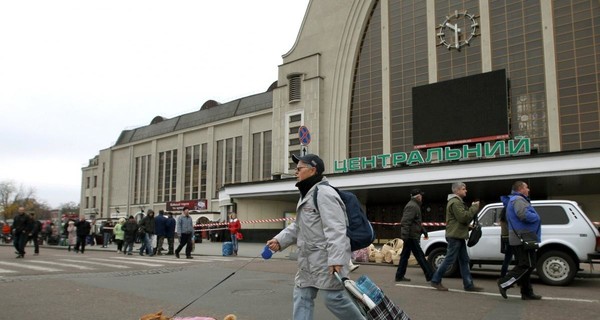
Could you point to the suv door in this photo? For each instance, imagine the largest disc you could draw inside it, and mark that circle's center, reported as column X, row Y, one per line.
column 488, row 247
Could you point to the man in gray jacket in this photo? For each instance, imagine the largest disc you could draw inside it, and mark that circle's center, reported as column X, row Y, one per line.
column 323, row 247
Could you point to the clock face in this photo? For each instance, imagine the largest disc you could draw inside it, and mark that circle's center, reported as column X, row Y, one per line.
column 457, row 30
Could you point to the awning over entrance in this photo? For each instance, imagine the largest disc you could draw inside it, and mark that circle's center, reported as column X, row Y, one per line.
column 554, row 174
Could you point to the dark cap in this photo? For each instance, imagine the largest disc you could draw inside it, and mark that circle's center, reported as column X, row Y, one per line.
column 311, row 159
column 416, row 191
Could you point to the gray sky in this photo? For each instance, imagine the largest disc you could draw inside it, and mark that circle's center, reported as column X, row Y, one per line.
column 74, row 74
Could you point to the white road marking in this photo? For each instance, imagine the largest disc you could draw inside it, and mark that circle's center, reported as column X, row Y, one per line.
column 6, row 271
column 130, row 262
column 97, row 263
column 150, row 260
column 26, row 266
column 73, row 265
column 498, row 294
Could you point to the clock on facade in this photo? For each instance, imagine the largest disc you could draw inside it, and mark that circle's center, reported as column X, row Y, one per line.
column 457, row 30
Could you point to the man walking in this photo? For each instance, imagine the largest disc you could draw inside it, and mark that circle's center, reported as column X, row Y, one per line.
column 522, row 220
column 35, row 232
column 323, row 246
column 160, row 226
column 411, row 229
column 458, row 217
column 21, row 228
column 185, row 229
column 83, row 230
column 170, row 232
column 147, row 227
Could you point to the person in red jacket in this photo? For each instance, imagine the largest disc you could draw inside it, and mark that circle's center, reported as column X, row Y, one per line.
column 234, row 228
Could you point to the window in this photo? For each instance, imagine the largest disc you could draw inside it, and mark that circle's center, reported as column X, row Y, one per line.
column 261, row 156
column 87, row 202
column 192, row 172
column 87, row 186
column 295, row 81
column 94, row 202
column 95, row 181
column 552, row 215
column 141, row 180
column 295, row 120
column 167, row 176
column 229, row 162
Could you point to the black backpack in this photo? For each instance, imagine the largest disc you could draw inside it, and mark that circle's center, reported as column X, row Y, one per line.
column 359, row 229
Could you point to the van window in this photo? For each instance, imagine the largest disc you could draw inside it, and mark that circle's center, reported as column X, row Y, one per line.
column 552, row 214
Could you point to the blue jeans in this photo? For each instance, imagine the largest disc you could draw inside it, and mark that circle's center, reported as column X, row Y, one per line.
column 106, row 239
column 234, row 242
column 146, row 244
column 457, row 249
column 336, row 301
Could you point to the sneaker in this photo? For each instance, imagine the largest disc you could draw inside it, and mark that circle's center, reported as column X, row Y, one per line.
column 531, row 296
column 502, row 290
column 439, row 286
column 189, row 257
column 177, row 255
column 20, row 256
column 474, row 289
column 354, row 267
column 129, row 254
column 402, row 279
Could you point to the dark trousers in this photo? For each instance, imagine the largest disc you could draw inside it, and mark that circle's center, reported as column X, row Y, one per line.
column 34, row 237
column 413, row 245
column 20, row 241
column 185, row 240
column 171, row 242
column 508, row 255
column 159, row 244
column 80, row 244
column 521, row 272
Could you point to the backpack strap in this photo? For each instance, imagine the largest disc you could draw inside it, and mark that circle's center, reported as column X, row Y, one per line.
column 317, row 194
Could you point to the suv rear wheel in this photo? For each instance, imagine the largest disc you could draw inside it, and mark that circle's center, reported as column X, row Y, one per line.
column 437, row 256
column 556, row 268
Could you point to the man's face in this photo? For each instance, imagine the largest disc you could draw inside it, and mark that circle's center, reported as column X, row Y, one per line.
column 524, row 190
column 186, row 212
column 462, row 192
column 304, row 171
column 21, row 210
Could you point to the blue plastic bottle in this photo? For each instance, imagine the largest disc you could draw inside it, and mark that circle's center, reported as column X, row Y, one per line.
column 369, row 288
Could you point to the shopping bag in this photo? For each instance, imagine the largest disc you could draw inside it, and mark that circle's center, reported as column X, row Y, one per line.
column 239, row 236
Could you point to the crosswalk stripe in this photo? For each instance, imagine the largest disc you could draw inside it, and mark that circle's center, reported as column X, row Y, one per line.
column 63, row 265
column 26, row 266
column 160, row 260
column 130, row 262
column 97, row 263
column 6, row 271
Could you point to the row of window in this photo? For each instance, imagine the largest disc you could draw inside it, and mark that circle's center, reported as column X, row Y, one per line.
column 88, row 182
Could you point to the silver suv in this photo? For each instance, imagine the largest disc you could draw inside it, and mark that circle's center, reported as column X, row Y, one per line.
column 568, row 236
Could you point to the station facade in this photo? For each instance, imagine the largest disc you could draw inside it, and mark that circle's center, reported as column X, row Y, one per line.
column 350, row 79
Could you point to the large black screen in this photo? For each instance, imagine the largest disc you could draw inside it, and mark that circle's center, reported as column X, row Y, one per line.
column 461, row 111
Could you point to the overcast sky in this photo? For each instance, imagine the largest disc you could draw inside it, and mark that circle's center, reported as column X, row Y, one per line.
column 74, row 74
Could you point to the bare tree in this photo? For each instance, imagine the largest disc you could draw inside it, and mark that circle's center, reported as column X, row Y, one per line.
column 7, row 191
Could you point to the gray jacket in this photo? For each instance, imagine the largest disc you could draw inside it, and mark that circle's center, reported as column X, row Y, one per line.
column 321, row 238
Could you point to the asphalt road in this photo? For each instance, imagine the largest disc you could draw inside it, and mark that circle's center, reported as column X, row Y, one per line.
column 104, row 285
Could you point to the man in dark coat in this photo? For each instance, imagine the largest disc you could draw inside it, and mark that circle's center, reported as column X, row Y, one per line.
column 83, row 230
column 170, row 232
column 130, row 228
column 160, row 227
column 147, row 227
column 21, row 227
column 410, row 233
column 35, row 232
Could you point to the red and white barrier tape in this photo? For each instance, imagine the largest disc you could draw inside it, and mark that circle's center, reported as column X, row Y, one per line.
column 216, row 224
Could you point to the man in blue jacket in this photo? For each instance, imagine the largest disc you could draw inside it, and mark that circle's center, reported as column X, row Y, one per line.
column 522, row 220
column 160, row 227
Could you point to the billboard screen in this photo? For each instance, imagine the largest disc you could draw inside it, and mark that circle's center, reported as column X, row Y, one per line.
column 461, row 111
